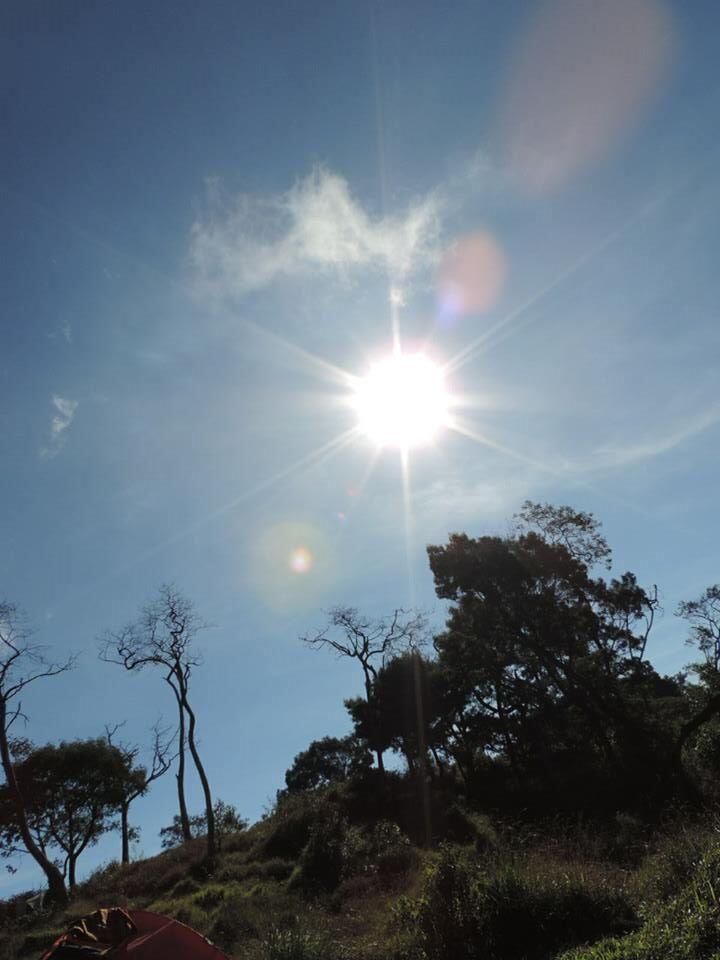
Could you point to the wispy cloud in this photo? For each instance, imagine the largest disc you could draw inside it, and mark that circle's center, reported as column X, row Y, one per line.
column 315, row 227
column 611, row 457
column 62, row 419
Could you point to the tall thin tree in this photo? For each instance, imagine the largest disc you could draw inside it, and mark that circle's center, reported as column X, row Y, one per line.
column 140, row 777
column 163, row 636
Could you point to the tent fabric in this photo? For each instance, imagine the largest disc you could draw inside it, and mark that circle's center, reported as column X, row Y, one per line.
column 132, row 935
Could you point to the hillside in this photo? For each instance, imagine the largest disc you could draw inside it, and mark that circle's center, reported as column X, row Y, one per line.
column 307, row 883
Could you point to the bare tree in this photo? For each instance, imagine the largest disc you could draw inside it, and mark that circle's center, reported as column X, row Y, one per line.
column 137, row 785
column 369, row 641
column 163, row 637
column 22, row 663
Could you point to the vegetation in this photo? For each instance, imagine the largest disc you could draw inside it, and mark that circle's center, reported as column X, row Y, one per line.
column 536, row 702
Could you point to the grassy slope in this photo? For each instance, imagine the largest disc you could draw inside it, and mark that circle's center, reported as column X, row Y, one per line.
column 526, row 902
column 247, row 906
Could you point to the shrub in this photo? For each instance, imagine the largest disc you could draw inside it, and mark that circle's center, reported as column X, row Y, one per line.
column 321, row 863
column 185, row 887
column 674, row 862
column 685, row 927
column 210, row 898
column 237, row 919
column 466, row 914
column 382, row 851
column 463, row 826
column 292, row 823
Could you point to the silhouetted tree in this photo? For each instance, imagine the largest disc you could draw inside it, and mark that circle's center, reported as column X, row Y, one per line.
column 370, row 642
column 21, row 664
column 139, row 778
column 703, row 723
column 163, row 636
column 545, row 663
column 228, row 822
column 72, row 792
column 326, row 761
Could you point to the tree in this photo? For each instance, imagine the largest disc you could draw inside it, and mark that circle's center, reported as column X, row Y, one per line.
column 72, row 792
column 139, row 778
column 326, row 761
column 406, row 695
column 227, row 823
column 703, row 615
column 21, row 664
column 163, row 636
column 545, row 663
column 371, row 642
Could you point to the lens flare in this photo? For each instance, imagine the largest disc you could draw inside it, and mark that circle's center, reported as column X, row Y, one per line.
column 403, row 401
column 301, row 560
column 471, row 275
column 581, row 77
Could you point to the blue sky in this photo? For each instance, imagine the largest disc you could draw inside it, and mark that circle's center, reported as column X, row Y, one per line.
column 204, row 204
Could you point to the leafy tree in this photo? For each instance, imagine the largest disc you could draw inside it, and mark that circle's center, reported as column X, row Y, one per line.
column 228, row 822
column 72, row 792
column 139, row 778
column 163, row 636
column 326, row 761
column 21, row 664
column 545, row 663
column 371, row 643
column 702, row 727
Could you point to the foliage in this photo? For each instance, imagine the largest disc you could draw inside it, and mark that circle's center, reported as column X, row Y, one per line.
column 544, row 677
column 228, row 822
column 295, row 945
column 464, row 912
column 684, row 927
column 72, row 792
column 320, row 866
column 326, row 761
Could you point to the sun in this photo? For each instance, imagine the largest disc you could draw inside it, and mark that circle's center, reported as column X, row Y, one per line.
column 402, row 401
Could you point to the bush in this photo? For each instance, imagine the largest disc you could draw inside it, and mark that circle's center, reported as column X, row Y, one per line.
column 686, row 927
column 462, row 826
column 466, row 914
column 321, row 863
column 292, row 823
column 185, row 887
column 237, row 919
column 674, row 862
column 382, row 851
column 210, row 898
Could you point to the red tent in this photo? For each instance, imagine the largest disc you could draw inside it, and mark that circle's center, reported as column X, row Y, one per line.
column 131, row 935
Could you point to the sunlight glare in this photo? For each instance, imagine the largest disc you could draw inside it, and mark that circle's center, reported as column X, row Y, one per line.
column 403, row 401
column 301, row 560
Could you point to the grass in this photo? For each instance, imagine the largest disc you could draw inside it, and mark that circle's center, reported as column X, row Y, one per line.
column 307, row 884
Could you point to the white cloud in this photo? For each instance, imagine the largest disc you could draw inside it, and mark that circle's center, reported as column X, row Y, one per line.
column 59, row 425
column 315, row 227
column 612, row 457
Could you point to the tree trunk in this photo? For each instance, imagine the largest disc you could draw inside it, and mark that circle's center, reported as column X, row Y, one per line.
column 180, row 775
column 71, row 871
column 368, row 698
column 422, row 753
column 209, row 812
column 124, row 811
column 56, row 884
